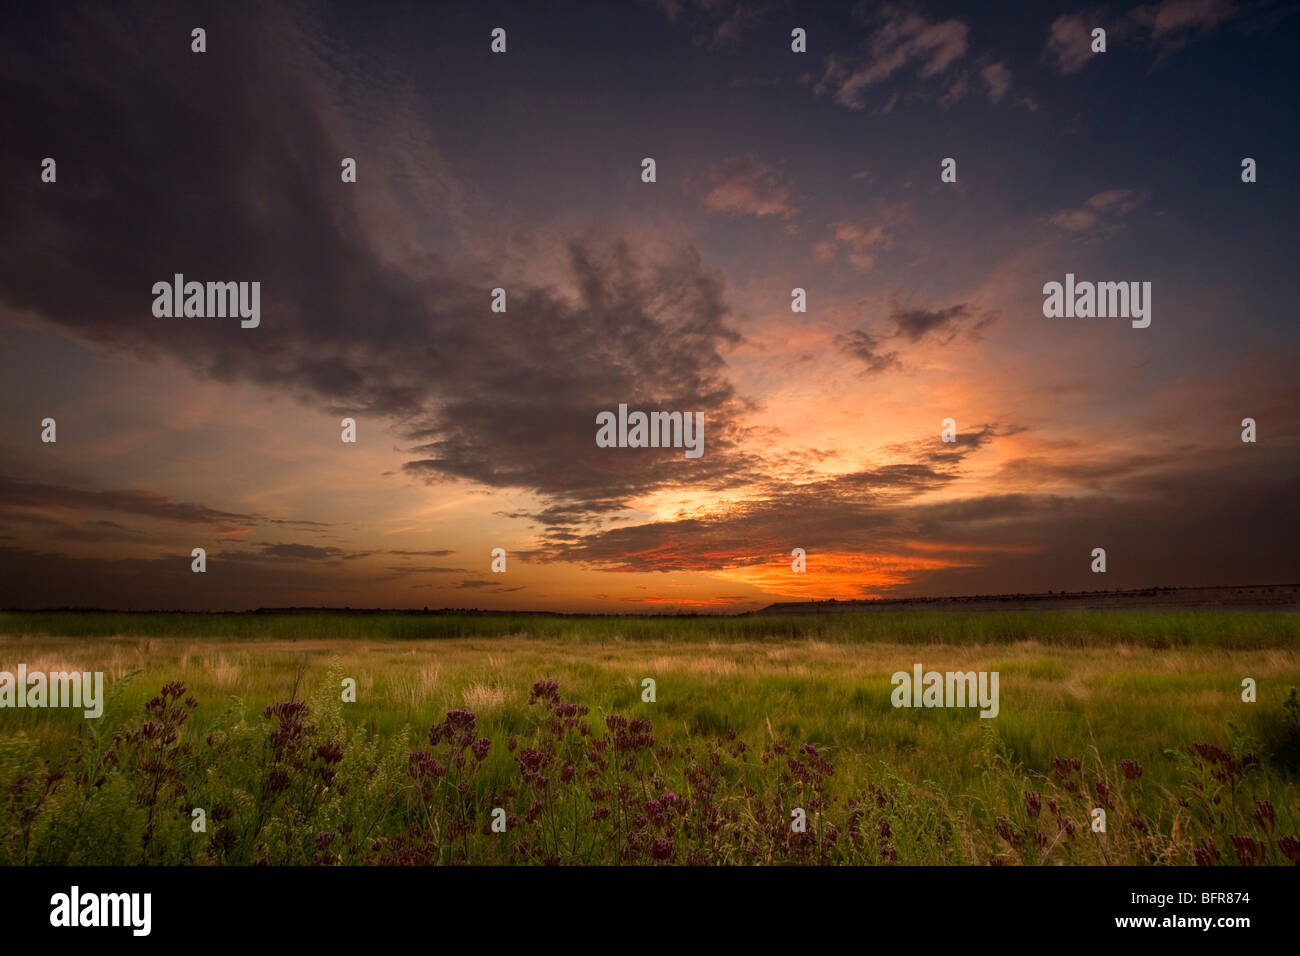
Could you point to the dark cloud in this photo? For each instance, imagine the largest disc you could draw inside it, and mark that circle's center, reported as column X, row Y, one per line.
column 309, row 552
column 1111, row 473
column 148, row 504
column 36, row 578
column 522, row 412
column 838, row 509
column 300, row 552
column 911, row 326
column 950, row 454
column 503, row 399
column 1180, row 518
column 354, row 555
column 942, row 324
column 402, row 571
column 473, row 584
column 1185, row 527
column 282, row 575
column 862, row 345
column 915, row 324
column 48, row 527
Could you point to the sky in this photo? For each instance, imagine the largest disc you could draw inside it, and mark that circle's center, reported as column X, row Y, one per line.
column 775, row 170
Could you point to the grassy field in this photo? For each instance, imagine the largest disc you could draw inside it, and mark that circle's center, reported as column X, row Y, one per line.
column 1139, row 714
column 1228, row 629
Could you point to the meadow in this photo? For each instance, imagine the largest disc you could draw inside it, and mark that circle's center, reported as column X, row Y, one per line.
column 241, row 716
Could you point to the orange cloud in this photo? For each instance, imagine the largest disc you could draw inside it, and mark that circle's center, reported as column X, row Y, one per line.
column 841, row 575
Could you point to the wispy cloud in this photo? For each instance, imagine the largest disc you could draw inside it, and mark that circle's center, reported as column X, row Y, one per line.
column 997, row 78
column 908, row 327
column 902, row 41
column 1098, row 216
column 148, row 504
column 744, row 186
column 716, row 24
column 862, row 345
column 941, row 324
column 1069, row 42
column 862, row 239
column 1172, row 22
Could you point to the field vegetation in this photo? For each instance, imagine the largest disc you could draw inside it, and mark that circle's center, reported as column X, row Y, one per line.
column 242, row 717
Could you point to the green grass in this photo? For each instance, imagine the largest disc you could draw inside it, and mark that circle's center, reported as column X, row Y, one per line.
column 1226, row 629
column 1101, row 687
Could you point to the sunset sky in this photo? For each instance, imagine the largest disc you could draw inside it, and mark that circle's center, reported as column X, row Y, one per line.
column 775, row 170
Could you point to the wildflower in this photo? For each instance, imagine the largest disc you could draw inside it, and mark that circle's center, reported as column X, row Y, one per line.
column 1206, row 854
column 1249, row 850
column 1290, row 848
column 544, row 690
column 330, row 752
column 1103, row 794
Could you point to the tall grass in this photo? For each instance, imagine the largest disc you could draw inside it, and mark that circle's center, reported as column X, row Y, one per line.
column 1156, row 628
column 299, row 783
column 1085, row 699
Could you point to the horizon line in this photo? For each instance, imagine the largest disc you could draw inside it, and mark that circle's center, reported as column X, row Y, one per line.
column 775, row 607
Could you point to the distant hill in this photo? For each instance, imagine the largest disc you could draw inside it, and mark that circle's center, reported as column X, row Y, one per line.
column 1270, row 597
column 1264, row 597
